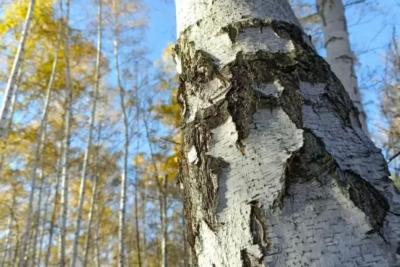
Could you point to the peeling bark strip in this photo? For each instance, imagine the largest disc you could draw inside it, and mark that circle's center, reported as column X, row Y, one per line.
column 276, row 168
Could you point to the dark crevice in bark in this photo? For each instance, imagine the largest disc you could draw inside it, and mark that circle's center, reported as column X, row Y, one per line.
column 249, row 260
column 259, row 230
column 313, row 162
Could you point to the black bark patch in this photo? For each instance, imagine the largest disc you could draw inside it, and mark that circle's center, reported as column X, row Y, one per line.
column 313, row 162
column 249, row 260
column 368, row 199
column 259, row 230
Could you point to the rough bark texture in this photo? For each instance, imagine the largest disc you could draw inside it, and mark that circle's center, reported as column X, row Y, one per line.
column 276, row 168
column 338, row 48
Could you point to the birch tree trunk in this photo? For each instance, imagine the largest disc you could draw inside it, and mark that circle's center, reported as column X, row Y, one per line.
column 9, row 90
column 92, row 202
column 164, row 223
column 95, row 94
column 276, row 168
column 66, row 142
column 54, row 210
column 138, row 229
column 162, row 199
column 137, row 225
column 124, row 176
column 339, row 54
column 90, row 221
column 43, row 228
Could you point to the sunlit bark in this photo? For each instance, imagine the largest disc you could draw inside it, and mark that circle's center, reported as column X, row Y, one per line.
column 276, row 168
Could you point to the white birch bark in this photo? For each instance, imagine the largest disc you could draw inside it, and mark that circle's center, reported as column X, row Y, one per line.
column 276, row 168
column 45, row 218
column 164, row 223
column 38, row 214
column 339, row 54
column 10, row 87
column 53, row 218
column 124, row 175
column 138, row 229
column 92, row 203
column 137, row 225
column 90, row 220
column 66, row 142
column 92, row 122
column 97, row 247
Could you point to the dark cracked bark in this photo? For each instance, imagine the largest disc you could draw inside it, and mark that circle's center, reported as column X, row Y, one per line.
column 276, row 168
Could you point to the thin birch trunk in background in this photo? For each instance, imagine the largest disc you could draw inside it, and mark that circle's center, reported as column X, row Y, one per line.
column 97, row 247
column 137, row 225
column 90, row 220
column 124, row 176
column 38, row 213
column 276, row 168
column 43, row 227
column 92, row 202
column 144, row 229
column 339, row 54
column 9, row 233
column 10, row 120
column 136, row 192
column 161, row 198
column 40, row 139
column 53, row 218
column 92, row 122
column 66, row 145
column 164, row 223
column 17, row 246
column 10, row 87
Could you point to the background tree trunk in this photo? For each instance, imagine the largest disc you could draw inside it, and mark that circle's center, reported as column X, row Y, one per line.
column 93, row 200
column 10, row 87
column 276, row 168
column 92, row 122
column 338, row 48
column 124, row 175
column 66, row 141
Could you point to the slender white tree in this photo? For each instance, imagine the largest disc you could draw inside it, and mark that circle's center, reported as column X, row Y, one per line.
column 10, row 87
column 67, row 136
column 93, row 199
column 124, row 175
column 276, row 168
column 162, row 186
column 339, row 54
column 92, row 123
